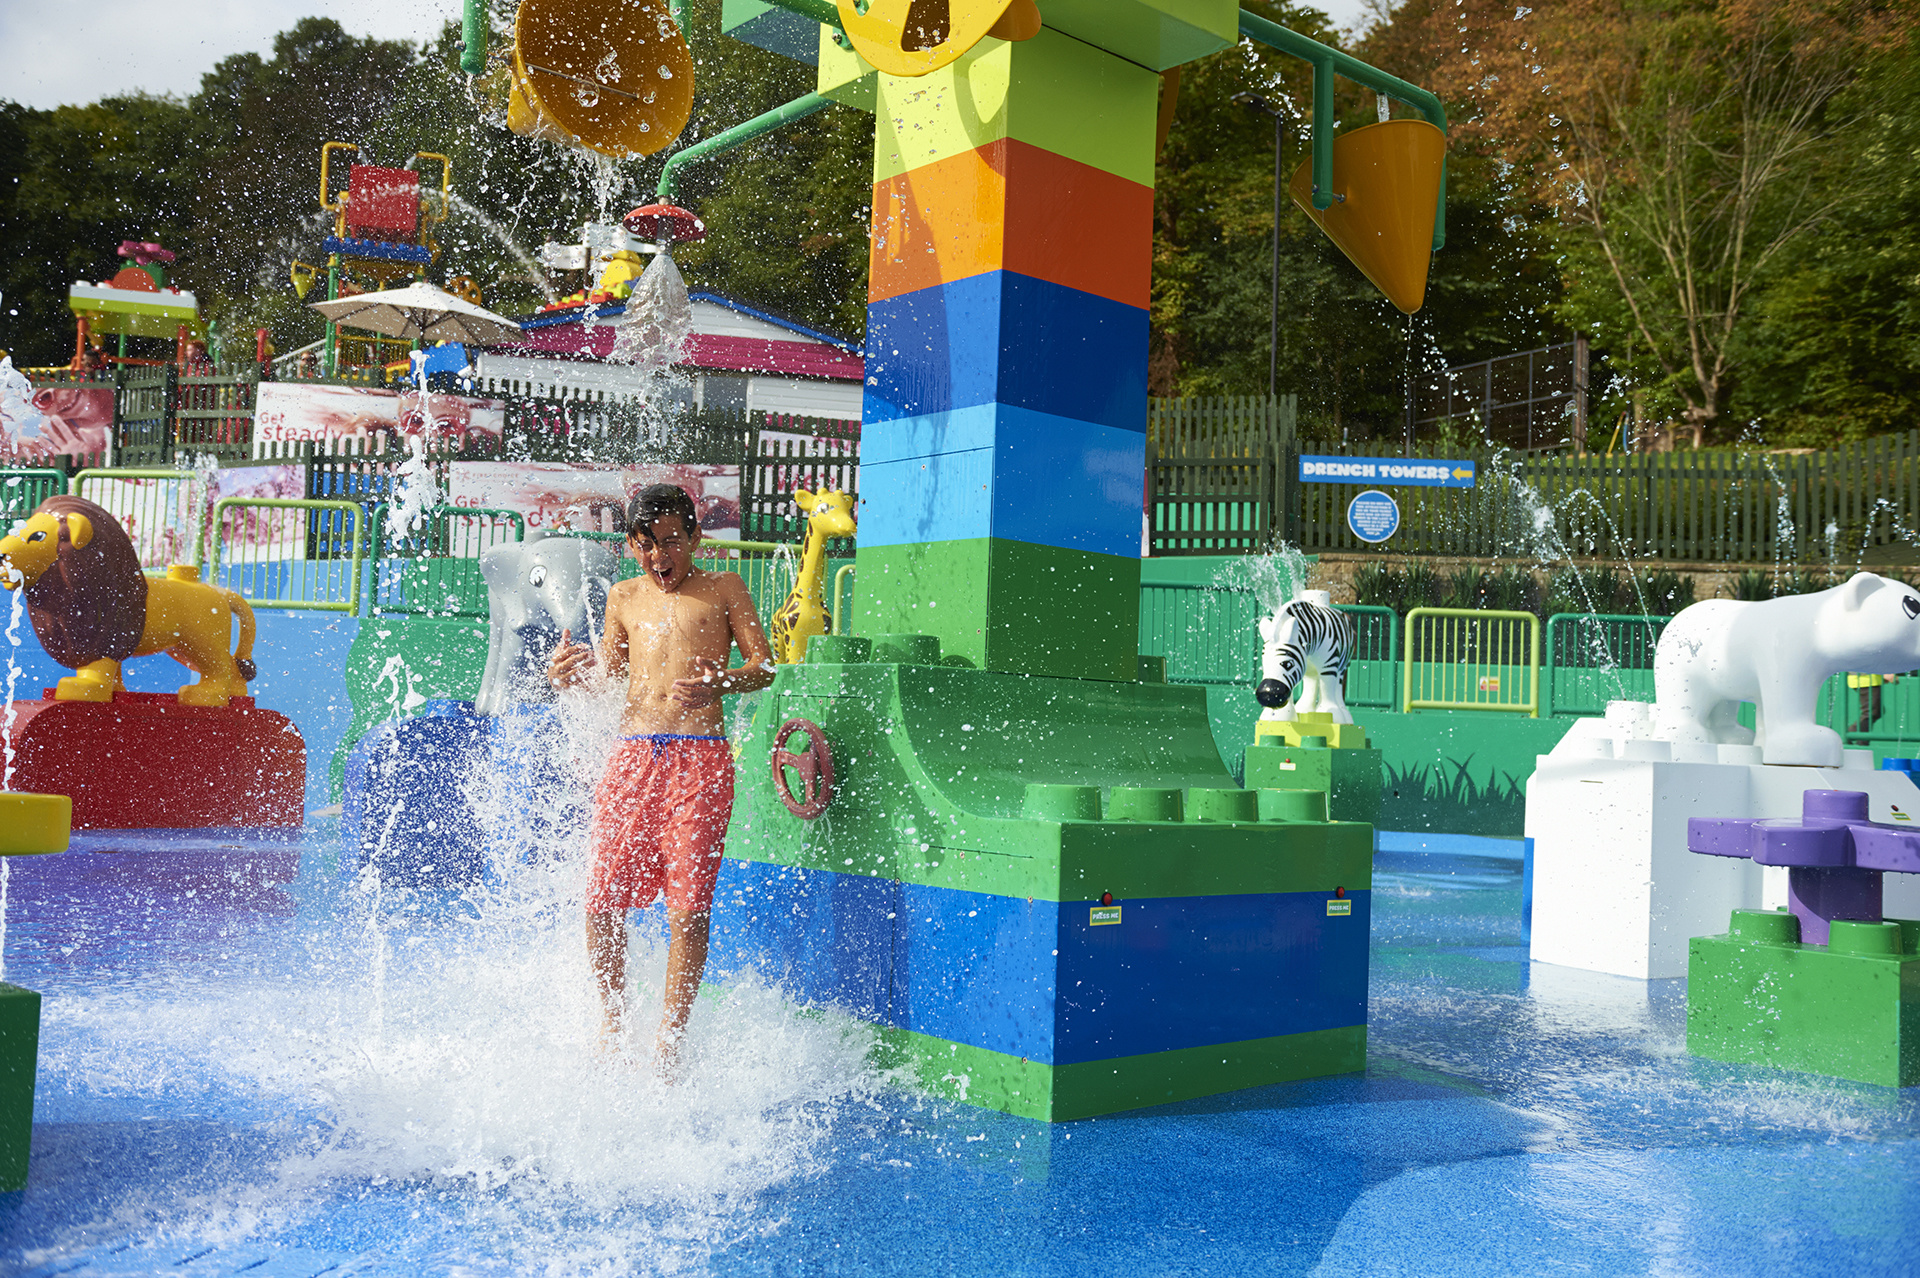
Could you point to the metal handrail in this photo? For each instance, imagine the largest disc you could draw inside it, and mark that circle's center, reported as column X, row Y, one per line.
column 842, row 573
column 1506, row 659
column 357, row 539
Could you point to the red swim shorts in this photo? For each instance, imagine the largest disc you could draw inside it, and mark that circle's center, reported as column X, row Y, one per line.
column 660, row 823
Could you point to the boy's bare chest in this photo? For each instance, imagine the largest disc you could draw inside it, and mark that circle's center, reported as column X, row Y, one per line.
column 674, row 623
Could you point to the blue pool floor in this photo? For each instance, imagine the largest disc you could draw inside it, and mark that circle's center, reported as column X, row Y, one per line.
column 267, row 1071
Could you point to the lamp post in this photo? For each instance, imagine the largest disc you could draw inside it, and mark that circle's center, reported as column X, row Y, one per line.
column 1254, row 102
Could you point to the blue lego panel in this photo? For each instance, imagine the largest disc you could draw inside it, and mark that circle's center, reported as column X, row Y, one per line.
column 1006, row 337
column 1039, row 980
column 451, row 358
column 823, row 938
column 1030, row 477
column 377, row 250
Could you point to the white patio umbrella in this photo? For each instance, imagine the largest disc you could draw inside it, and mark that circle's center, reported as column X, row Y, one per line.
column 420, row 310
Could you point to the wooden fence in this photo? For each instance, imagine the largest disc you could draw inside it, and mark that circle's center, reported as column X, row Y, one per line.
column 1218, row 474
column 1223, row 478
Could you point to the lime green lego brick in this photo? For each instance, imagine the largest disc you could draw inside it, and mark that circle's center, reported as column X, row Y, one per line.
column 844, row 75
column 1805, row 1007
column 1155, row 33
column 1010, row 606
column 19, row 1059
column 1053, row 92
column 1063, row 1093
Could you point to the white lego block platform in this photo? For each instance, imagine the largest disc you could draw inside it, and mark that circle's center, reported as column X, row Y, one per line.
column 1615, row 889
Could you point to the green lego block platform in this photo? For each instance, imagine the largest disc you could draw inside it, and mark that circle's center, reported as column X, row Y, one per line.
column 1850, row 1009
column 1310, row 723
column 1350, row 777
column 19, row 1056
column 1048, row 893
column 1010, row 606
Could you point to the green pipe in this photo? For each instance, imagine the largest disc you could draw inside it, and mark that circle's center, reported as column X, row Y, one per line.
column 1328, row 62
column 473, row 37
column 798, row 109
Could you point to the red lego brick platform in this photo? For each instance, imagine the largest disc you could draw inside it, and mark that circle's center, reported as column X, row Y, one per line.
column 144, row 761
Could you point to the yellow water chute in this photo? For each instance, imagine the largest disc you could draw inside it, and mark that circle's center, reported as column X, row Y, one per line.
column 1386, row 184
column 918, row 37
column 611, row 75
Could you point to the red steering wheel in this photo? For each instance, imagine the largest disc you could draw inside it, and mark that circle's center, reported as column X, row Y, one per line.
column 814, row 764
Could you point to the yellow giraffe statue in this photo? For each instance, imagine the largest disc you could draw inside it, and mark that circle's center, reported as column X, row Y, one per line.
column 804, row 614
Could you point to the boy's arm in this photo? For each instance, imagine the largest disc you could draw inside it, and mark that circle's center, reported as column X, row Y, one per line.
column 756, row 655
column 613, row 636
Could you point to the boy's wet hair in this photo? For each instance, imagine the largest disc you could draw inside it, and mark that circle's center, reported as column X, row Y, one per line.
column 655, row 502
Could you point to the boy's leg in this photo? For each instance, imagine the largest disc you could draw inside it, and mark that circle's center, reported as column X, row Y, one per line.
column 607, row 953
column 686, row 963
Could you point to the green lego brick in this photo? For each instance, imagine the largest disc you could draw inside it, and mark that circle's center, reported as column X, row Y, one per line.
column 396, row 664
column 844, row 75
column 1062, row 1093
column 933, row 766
column 1155, row 33
column 1008, row 605
column 776, row 30
column 1053, row 91
column 1756, row 1000
column 1350, row 777
column 19, row 1058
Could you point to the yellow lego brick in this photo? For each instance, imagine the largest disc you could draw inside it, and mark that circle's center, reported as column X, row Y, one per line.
column 845, row 76
column 1312, row 723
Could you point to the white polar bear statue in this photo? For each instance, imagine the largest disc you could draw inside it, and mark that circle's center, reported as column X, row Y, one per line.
column 1777, row 653
column 1305, row 649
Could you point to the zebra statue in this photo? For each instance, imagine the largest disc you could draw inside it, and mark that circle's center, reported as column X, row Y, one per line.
column 1307, row 646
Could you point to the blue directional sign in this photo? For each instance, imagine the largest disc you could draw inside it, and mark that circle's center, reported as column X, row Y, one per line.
column 1424, row 472
column 1373, row 516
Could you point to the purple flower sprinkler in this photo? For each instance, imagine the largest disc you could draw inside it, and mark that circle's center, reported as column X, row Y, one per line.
column 1834, row 855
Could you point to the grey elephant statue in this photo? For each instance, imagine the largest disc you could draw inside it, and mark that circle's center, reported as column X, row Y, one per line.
column 535, row 589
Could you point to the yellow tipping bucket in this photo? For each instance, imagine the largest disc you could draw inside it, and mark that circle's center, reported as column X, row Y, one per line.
column 1386, row 183
column 612, row 75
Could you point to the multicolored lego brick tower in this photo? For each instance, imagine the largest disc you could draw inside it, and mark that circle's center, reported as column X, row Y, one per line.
column 1006, row 400
column 1036, row 875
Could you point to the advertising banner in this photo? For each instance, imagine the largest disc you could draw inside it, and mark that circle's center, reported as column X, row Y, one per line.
column 291, row 411
column 593, row 498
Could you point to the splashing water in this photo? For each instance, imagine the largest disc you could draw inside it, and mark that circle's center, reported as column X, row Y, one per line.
column 24, row 421
column 18, row 605
column 652, row 333
column 535, row 272
column 415, row 491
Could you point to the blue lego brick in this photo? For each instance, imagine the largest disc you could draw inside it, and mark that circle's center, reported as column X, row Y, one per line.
column 377, row 250
column 824, row 938
column 1036, row 979
column 1028, row 476
column 1009, row 338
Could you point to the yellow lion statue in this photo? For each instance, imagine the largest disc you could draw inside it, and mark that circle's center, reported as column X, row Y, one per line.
column 92, row 607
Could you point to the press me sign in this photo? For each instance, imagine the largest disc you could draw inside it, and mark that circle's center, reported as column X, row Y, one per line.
column 1422, row 472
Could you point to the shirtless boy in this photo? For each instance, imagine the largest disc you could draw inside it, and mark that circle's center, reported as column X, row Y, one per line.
column 660, row 811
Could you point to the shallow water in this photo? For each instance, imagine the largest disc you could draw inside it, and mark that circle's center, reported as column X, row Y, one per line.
column 239, row 1075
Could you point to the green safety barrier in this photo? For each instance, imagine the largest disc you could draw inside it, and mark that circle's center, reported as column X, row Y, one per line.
column 22, row 489
column 435, row 571
column 1593, row 658
column 294, row 554
column 149, row 507
column 1472, row 659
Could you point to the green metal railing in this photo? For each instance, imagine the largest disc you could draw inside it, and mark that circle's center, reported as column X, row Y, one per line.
column 1594, row 658
column 163, row 510
column 1373, row 673
column 435, row 570
column 1472, row 659
column 840, row 623
column 23, row 489
column 294, row 554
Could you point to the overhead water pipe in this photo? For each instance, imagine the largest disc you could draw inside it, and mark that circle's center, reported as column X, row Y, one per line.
column 1328, row 62
column 740, row 134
